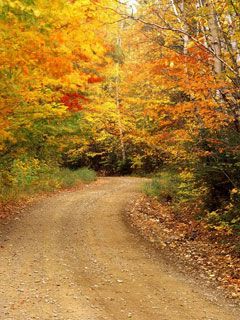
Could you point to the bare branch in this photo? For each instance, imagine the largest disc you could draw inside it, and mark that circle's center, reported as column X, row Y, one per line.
column 180, row 31
column 176, row 30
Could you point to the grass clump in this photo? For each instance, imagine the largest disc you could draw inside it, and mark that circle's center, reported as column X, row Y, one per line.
column 69, row 178
column 162, row 186
column 86, row 174
column 29, row 176
column 171, row 186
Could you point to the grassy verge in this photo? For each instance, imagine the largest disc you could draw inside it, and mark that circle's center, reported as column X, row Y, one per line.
column 174, row 187
column 32, row 177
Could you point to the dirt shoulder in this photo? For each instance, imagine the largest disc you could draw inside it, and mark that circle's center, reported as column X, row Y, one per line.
column 71, row 256
column 189, row 245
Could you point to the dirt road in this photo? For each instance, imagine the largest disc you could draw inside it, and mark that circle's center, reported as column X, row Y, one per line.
column 71, row 257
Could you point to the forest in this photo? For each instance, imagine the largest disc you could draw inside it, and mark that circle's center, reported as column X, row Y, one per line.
column 147, row 88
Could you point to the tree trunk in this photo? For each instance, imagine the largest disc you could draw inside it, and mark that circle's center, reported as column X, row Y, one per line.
column 117, row 100
column 215, row 40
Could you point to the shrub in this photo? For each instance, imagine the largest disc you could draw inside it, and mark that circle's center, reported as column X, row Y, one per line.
column 228, row 216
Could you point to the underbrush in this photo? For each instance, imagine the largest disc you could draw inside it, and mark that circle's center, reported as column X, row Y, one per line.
column 29, row 176
column 191, row 198
column 170, row 186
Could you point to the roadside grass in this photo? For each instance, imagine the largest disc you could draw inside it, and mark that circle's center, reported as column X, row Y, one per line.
column 69, row 178
column 162, row 186
column 27, row 179
column 174, row 187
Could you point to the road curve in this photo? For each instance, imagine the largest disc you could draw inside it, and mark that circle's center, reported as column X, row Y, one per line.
column 71, row 257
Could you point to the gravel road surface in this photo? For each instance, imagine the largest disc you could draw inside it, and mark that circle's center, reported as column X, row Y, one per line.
column 71, row 257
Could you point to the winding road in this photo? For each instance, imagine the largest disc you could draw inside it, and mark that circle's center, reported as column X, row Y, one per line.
column 71, row 257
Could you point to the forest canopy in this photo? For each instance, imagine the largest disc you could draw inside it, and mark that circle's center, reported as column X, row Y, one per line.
column 124, row 87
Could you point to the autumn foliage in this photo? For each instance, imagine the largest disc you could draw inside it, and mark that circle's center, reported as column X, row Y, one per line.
column 96, row 83
column 73, row 101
